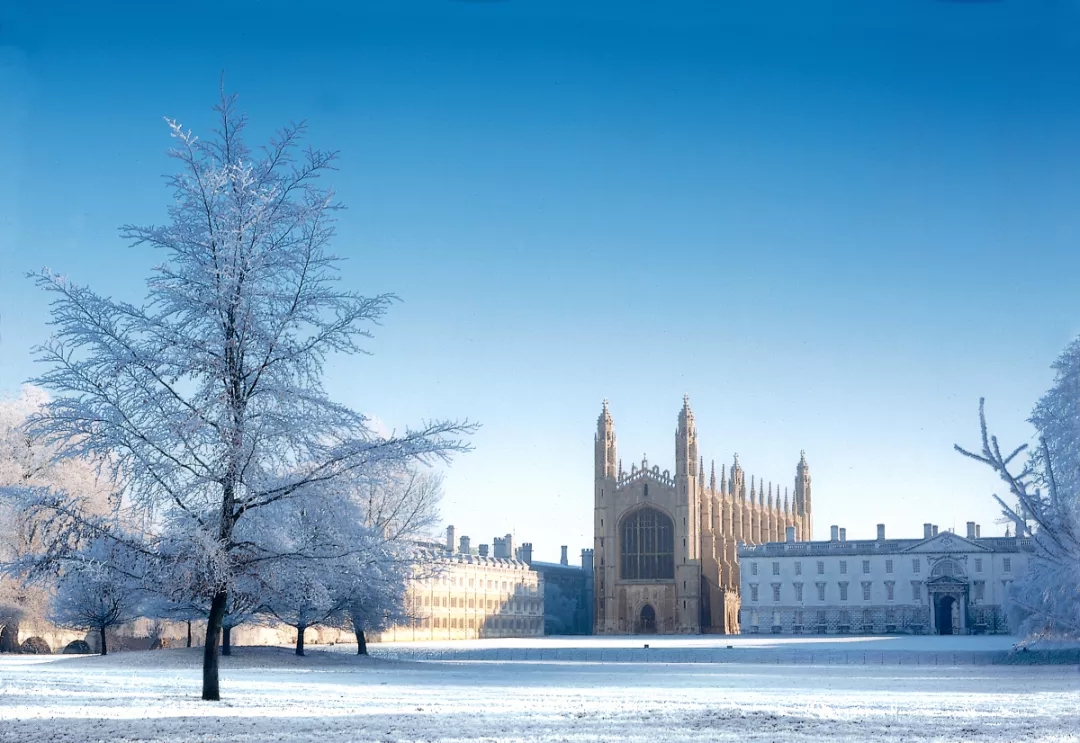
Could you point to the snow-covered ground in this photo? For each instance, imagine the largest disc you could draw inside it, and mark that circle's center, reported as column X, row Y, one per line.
column 271, row 695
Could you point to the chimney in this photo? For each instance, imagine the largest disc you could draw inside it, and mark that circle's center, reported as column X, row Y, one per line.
column 524, row 553
column 881, row 532
column 927, row 531
column 834, row 533
column 450, row 538
column 587, row 561
column 509, row 545
column 789, row 534
column 464, row 546
column 978, row 531
column 971, row 530
column 934, row 532
column 843, row 534
column 483, row 550
column 563, row 560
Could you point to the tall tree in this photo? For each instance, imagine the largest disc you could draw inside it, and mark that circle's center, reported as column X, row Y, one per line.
column 1044, row 503
column 207, row 399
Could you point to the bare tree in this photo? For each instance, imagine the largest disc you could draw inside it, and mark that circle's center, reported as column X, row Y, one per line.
column 207, row 400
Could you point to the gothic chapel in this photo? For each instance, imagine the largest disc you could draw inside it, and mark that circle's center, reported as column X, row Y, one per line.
column 665, row 543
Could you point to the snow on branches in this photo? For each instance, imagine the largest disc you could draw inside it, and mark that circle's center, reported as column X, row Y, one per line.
column 1045, row 484
column 206, row 400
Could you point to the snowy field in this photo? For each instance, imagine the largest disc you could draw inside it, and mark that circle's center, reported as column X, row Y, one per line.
column 271, row 695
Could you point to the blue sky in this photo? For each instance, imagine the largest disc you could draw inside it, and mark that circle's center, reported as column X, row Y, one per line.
column 834, row 225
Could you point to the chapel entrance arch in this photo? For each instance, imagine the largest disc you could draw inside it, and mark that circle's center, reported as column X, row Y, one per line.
column 647, row 620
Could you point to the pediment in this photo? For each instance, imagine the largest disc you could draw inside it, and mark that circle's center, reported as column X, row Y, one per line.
column 946, row 542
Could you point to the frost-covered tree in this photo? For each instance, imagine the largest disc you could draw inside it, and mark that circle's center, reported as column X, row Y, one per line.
column 1044, row 503
column 97, row 591
column 373, row 589
column 207, row 398
column 28, row 461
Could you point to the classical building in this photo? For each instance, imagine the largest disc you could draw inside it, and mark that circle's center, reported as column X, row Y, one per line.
column 469, row 594
column 940, row 584
column 666, row 543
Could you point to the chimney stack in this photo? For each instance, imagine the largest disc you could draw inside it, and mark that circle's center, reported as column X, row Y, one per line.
column 525, row 553
column 881, row 532
column 464, row 546
column 563, row 560
column 834, row 533
column 978, row 531
column 927, row 531
column 789, row 534
column 934, row 532
column 483, row 550
column 451, row 540
column 843, row 534
column 587, row 561
column 971, row 530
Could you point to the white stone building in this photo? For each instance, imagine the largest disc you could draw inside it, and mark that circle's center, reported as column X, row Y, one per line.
column 468, row 594
column 940, row 584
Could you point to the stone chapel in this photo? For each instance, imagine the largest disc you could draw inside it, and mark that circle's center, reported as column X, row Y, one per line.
column 666, row 543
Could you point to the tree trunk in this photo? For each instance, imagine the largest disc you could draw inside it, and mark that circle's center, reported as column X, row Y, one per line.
column 361, row 640
column 300, row 640
column 226, row 640
column 189, row 633
column 104, row 647
column 211, row 690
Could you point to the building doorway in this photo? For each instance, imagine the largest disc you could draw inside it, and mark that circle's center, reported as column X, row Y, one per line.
column 648, row 620
column 944, row 614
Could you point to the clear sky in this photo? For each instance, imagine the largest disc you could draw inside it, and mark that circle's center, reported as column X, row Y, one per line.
column 833, row 224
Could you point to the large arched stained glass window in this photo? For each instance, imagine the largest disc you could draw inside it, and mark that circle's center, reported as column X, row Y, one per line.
column 648, row 546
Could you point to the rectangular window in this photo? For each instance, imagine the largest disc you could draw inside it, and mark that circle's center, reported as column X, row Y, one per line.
column 776, row 568
column 821, row 567
column 820, row 591
column 843, row 567
column 889, row 585
column 866, row 590
column 978, row 564
column 980, row 590
column 888, row 566
column 843, row 591
column 798, row 568
column 798, row 593
column 753, row 568
column 1006, row 564
column 916, row 566
column 776, row 593
column 916, row 590
column 865, row 566
column 753, row 592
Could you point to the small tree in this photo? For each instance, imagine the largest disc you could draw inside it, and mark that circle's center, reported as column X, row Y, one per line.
column 1045, row 484
column 207, row 400
column 95, row 595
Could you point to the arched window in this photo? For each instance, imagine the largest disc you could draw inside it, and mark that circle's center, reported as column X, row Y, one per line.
column 648, row 546
column 946, row 567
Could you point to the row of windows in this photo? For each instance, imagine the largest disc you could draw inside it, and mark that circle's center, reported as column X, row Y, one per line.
column 494, row 623
column 916, row 566
column 455, row 580
column 979, row 592
column 454, row 602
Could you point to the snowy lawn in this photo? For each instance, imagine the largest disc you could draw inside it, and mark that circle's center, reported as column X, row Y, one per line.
column 271, row 695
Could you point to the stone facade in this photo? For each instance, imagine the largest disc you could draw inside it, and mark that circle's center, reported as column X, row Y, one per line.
column 940, row 584
column 467, row 596
column 665, row 551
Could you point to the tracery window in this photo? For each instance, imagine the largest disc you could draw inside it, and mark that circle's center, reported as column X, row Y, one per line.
column 648, row 546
